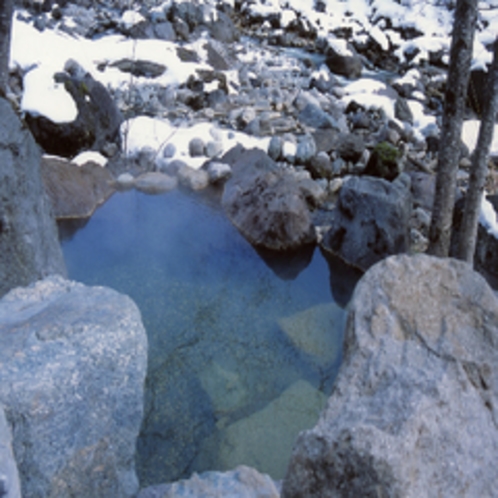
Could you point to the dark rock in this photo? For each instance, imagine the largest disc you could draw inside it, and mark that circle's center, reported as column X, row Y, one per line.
column 416, row 391
column 97, row 122
column 186, row 55
column 267, row 205
column 75, row 191
column 217, row 56
column 402, row 111
column 320, row 166
column 147, row 69
column 371, row 220
column 73, row 360
column 351, row 147
column 29, row 247
column 384, row 162
column 349, row 66
column 196, row 147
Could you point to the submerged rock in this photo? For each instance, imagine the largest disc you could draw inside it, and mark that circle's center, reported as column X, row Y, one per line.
column 72, row 378
column 413, row 410
column 242, row 482
column 29, row 247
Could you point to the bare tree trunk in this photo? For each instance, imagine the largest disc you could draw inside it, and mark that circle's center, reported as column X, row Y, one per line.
column 6, row 10
column 454, row 107
column 468, row 230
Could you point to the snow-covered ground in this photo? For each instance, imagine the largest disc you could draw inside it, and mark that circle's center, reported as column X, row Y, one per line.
column 41, row 54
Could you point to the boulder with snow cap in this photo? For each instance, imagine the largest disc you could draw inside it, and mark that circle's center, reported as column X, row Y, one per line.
column 97, row 122
column 343, row 60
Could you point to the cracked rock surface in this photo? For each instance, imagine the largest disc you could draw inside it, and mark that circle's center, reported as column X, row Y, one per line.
column 413, row 411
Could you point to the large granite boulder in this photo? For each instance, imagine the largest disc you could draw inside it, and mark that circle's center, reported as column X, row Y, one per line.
column 73, row 366
column 266, row 204
column 242, row 482
column 9, row 477
column 75, row 191
column 97, row 122
column 414, row 408
column 371, row 220
column 29, row 247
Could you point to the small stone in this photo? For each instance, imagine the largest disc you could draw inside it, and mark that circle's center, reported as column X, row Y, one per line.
column 169, row 150
column 155, row 183
column 275, row 147
column 214, row 148
column 306, row 149
column 219, row 172
column 125, row 181
column 196, row 147
column 335, row 185
column 194, row 179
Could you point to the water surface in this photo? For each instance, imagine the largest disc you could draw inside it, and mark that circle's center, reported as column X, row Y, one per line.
column 240, row 359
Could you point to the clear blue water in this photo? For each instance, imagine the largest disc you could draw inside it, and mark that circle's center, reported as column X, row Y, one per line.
column 240, row 359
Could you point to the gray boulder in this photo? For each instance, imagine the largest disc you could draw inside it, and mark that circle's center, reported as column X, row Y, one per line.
column 344, row 62
column 29, row 247
column 73, row 367
column 242, row 482
column 266, row 204
column 75, row 191
column 413, row 410
column 371, row 220
column 9, row 477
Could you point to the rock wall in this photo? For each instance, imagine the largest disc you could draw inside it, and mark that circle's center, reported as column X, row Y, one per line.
column 73, row 362
column 29, row 247
column 413, row 412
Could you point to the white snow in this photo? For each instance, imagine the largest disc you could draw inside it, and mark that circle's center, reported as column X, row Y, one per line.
column 470, row 133
column 89, row 156
column 487, row 217
column 131, row 18
column 155, row 133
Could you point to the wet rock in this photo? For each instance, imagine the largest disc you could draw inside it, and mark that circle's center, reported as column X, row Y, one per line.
column 371, row 220
column 155, row 183
column 243, row 482
column 74, row 362
column 266, row 205
column 29, row 246
column 419, row 361
column 75, row 191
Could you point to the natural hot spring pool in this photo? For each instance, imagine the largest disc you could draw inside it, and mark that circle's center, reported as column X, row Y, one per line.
column 240, row 360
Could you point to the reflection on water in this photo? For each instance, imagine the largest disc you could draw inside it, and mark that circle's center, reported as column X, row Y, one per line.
column 240, row 360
